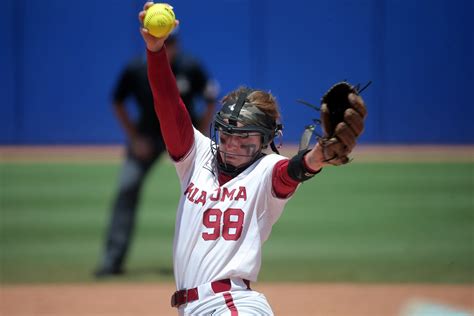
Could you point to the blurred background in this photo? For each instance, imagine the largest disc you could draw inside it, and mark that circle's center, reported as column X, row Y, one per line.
column 59, row 61
column 401, row 213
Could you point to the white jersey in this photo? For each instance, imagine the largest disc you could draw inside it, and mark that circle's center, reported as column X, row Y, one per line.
column 220, row 229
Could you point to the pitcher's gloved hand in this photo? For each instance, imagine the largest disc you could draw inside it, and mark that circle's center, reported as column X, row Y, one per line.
column 342, row 117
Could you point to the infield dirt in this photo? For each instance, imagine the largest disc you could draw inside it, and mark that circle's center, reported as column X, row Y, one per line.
column 287, row 299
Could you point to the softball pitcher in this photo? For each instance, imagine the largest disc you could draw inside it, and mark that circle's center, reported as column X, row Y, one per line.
column 231, row 192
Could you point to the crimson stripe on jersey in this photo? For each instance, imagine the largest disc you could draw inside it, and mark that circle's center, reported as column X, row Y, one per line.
column 229, row 301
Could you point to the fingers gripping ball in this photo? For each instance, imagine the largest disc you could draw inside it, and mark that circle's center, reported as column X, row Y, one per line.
column 159, row 19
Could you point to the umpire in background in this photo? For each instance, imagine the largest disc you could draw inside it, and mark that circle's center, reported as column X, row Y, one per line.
column 145, row 144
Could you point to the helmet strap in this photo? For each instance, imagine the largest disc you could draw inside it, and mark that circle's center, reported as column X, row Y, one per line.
column 274, row 148
column 238, row 106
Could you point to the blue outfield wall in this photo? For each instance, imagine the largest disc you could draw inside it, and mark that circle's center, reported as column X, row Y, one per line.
column 60, row 59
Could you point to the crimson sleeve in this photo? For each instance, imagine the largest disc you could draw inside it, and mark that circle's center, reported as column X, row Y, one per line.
column 175, row 122
column 283, row 184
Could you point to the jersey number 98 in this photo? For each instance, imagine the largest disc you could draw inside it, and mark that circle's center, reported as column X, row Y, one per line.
column 232, row 222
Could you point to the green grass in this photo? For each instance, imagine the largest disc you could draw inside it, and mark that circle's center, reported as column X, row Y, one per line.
column 376, row 222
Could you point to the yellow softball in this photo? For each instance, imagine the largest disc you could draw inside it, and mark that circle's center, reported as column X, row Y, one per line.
column 159, row 19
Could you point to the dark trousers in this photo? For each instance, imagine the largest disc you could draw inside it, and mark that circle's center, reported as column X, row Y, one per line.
column 124, row 209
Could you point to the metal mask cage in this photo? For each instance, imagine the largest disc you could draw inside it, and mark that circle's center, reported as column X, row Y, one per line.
column 222, row 125
column 253, row 121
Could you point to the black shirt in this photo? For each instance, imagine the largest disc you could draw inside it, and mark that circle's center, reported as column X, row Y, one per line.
column 191, row 79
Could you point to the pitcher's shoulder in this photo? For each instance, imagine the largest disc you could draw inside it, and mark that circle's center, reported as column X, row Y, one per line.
column 273, row 158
